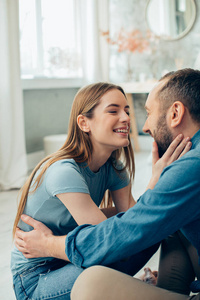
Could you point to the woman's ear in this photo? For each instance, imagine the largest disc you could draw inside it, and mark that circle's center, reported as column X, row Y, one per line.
column 177, row 112
column 82, row 122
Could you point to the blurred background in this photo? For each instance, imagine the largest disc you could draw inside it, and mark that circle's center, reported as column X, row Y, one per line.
column 51, row 48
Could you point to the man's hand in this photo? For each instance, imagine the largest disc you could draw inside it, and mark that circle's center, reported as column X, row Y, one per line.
column 33, row 243
column 40, row 242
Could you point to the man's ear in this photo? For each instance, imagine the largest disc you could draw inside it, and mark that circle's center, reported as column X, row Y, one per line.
column 177, row 112
column 82, row 122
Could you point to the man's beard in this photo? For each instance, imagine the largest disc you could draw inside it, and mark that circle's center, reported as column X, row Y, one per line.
column 162, row 135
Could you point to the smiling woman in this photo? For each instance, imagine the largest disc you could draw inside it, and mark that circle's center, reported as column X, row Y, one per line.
column 72, row 182
column 109, row 127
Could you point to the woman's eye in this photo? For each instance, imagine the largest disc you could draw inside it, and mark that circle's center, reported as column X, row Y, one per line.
column 128, row 113
column 112, row 111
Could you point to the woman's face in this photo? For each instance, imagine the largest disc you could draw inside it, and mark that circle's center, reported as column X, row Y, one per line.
column 110, row 124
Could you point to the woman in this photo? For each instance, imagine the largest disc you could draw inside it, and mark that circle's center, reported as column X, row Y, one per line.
column 67, row 187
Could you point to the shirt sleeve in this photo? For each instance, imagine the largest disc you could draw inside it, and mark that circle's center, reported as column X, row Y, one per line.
column 65, row 177
column 172, row 204
column 117, row 178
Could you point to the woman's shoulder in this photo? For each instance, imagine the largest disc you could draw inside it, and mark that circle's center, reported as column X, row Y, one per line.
column 62, row 176
column 63, row 168
column 64, row 163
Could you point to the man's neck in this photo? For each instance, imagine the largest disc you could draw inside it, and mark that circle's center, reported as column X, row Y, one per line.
column 187, row 128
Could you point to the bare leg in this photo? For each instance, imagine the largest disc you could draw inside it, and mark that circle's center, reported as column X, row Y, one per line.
column 102, row 283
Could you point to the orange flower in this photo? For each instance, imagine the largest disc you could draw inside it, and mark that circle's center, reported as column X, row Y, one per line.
column 128, row 41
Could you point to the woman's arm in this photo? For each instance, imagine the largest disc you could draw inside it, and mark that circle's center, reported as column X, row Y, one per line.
column 82, row 208
column 123, row 199
column 176, row 150
column 40, row 242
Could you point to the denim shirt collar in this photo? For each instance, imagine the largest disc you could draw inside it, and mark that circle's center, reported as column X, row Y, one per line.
column 196, row 140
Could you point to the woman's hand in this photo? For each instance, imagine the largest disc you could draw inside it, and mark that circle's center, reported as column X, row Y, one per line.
column 40, row 242
column 176, row 149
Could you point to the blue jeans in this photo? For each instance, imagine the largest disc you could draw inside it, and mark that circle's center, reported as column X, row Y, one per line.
column 54, row 280
column 49, row 280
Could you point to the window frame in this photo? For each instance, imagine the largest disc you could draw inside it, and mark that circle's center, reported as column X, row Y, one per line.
column 46, row 82
column 50, row 83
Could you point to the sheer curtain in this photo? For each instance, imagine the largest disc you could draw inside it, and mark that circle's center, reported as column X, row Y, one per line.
column 93, row 16
column 13, row 165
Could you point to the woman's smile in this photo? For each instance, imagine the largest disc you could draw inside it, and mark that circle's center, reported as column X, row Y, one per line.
column 122, row 130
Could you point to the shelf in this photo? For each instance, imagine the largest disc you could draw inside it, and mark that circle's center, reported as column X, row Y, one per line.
column 138, row 87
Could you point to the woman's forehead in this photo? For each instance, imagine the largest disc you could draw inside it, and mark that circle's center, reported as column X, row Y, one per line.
column 113, row 96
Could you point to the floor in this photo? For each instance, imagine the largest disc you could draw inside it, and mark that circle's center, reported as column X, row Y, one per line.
column 8, row 206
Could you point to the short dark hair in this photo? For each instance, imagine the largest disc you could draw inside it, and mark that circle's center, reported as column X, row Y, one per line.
column 182, row 85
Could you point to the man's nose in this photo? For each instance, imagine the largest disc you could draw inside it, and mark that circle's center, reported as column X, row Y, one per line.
column 145, row 127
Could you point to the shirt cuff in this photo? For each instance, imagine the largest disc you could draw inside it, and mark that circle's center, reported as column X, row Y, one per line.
column 70, row 246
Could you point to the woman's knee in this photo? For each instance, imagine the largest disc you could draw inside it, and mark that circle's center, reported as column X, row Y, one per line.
column 87, row 284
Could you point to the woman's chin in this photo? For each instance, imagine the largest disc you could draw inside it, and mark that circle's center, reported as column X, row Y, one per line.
column 124, row 144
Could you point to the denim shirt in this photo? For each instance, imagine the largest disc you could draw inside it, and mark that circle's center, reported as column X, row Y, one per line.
column 174, row 204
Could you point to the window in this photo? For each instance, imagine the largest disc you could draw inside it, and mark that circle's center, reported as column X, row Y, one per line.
column 49, row 39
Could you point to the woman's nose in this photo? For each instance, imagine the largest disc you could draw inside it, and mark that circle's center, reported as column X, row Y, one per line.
column 125, row 117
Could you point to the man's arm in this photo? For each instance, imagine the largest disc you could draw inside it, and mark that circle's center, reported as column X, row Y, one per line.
column 171, row 205
column 40, row 242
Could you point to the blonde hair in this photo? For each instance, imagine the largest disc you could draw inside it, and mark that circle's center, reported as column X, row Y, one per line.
column 77, row 145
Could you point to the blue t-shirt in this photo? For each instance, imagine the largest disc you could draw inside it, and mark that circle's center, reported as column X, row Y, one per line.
column 65, row 176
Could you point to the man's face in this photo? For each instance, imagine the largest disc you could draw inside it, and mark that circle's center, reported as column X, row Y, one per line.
column 156, row 123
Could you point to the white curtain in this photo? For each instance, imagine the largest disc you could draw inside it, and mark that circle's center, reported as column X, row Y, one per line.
column 93, row 15
column 13, row 165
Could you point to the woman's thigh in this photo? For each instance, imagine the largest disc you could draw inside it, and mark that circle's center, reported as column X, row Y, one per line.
column 104, row 283
column 47, row 281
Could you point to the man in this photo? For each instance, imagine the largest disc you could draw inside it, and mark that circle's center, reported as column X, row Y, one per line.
column 173, row 107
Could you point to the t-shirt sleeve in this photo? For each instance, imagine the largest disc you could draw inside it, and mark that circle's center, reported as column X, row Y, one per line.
column 65, row 177
column 117, row 179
